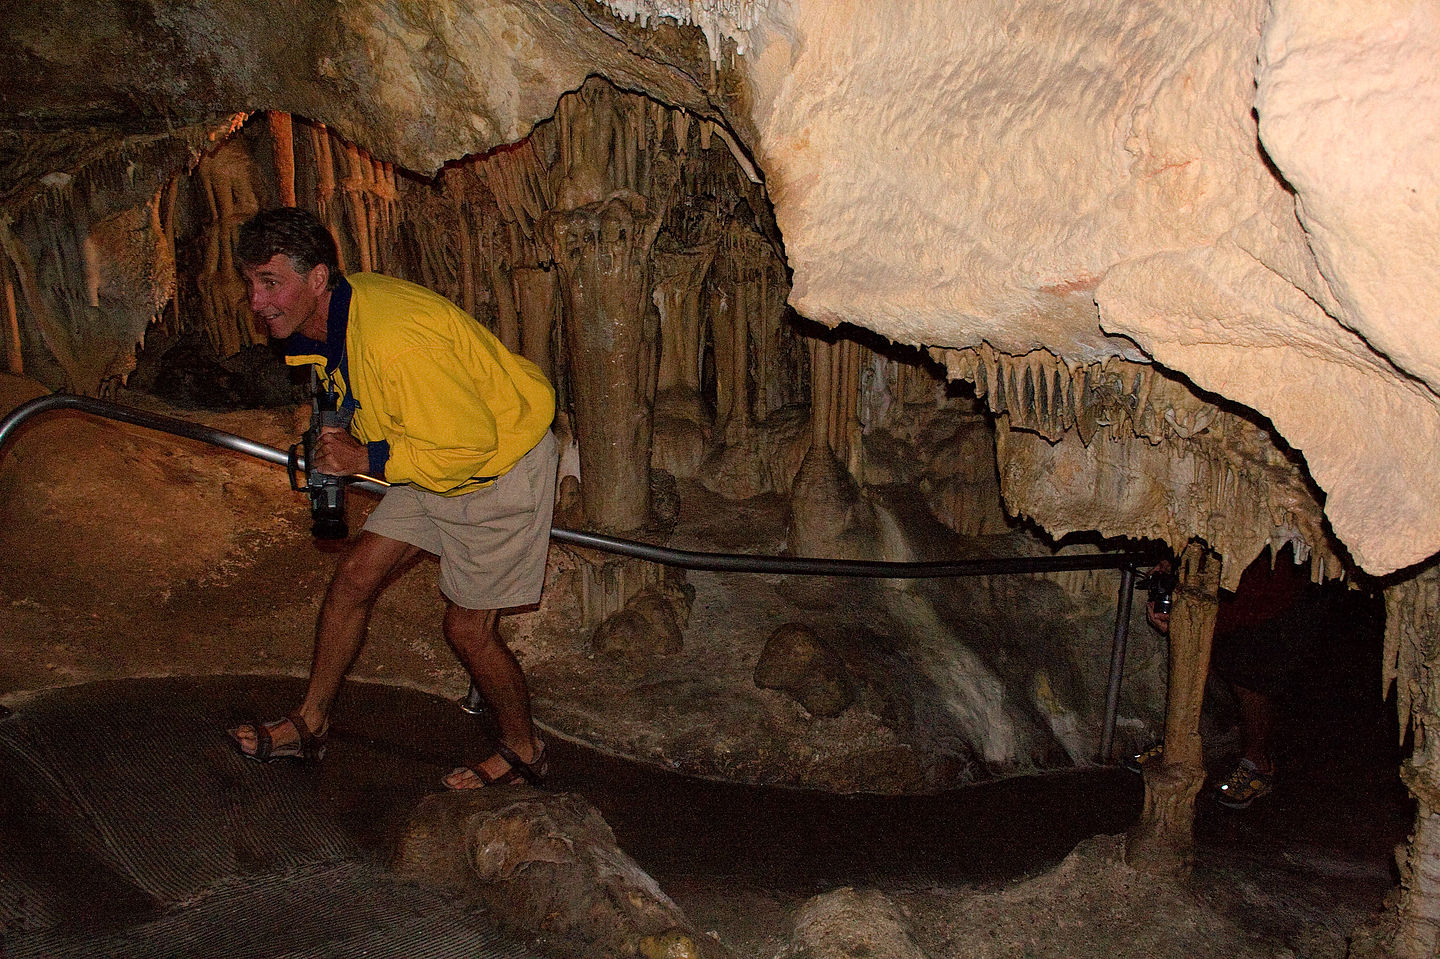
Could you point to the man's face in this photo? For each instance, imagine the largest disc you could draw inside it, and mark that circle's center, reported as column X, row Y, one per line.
column 287, row 301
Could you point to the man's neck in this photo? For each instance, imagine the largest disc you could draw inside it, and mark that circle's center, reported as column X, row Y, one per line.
column 317, row 326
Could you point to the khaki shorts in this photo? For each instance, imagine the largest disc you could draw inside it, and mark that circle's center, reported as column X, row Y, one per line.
column 492, row 542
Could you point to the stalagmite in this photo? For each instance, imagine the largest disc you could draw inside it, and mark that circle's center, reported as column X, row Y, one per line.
column 1163, row 840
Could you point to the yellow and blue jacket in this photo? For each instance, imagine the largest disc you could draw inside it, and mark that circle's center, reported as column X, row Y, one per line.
column 436, row 397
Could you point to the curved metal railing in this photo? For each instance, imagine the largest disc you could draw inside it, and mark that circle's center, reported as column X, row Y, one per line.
column 1127, row 562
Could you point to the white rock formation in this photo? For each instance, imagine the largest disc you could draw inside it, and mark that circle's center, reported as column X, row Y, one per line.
column 1091, row 177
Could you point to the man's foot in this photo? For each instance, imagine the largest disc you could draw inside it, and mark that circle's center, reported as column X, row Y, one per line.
column 1137, row 762
column 288, row 738
column 503, row 768
column 1245, row 784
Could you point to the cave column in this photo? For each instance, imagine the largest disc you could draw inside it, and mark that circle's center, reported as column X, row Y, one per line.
column 603, row 251
column 1163, row 839
column 502, row 285
column 678, row 281
column 537, row 297
column 1412, row 663
column 730, row 331
column 682, row 419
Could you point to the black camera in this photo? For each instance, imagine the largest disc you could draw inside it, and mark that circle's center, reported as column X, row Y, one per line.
column 1161, row 588
column 327, row 493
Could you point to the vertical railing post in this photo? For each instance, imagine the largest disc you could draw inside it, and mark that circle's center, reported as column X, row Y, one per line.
column 1117, row 661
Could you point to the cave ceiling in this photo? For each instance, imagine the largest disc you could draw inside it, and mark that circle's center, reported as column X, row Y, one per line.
column 1245, row 192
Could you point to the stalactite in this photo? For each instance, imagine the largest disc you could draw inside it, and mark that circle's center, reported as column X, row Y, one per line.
column 15, row 362
column 520, row 183
column 1230, row 485
column 718, row 20
column 681, row 122
column 226, row 175
column 283, row 136
column 353, row 183
column 324, row 168
column 52, row 330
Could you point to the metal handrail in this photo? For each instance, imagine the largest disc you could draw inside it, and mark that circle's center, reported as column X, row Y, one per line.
column 1127, row 562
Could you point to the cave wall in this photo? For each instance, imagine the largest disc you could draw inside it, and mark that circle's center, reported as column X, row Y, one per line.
column 1238, row 192
column 620, row 246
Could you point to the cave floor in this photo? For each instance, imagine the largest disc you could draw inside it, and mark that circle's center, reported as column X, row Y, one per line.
column 128, row 818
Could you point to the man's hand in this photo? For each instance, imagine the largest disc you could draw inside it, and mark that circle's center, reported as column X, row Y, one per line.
column 337, row 453
column 1159, row 621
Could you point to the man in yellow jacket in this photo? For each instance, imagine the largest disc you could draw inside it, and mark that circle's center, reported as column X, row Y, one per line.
column 460, row 429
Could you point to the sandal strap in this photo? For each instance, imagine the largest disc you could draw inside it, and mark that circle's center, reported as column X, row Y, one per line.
column 532, row 772
column 264, row 744
column 310, row 744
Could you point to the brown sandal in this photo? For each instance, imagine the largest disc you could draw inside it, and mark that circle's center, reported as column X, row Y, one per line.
column 308, row 748
column 520, row 772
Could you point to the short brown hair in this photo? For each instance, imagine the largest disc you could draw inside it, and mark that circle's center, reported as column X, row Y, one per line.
column 290, row 232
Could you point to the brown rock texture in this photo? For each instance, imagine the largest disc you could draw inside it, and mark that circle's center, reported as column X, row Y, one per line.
column 548, row 868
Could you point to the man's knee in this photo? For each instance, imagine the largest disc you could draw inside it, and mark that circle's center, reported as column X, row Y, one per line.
column 364, row 570
column 470, row 626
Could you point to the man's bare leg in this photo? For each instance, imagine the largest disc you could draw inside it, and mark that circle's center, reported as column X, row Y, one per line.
column 362, row 575
column 474, row 634
column 1257, row 727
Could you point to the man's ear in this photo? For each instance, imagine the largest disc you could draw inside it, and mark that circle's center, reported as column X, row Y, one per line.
column 318, row 279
